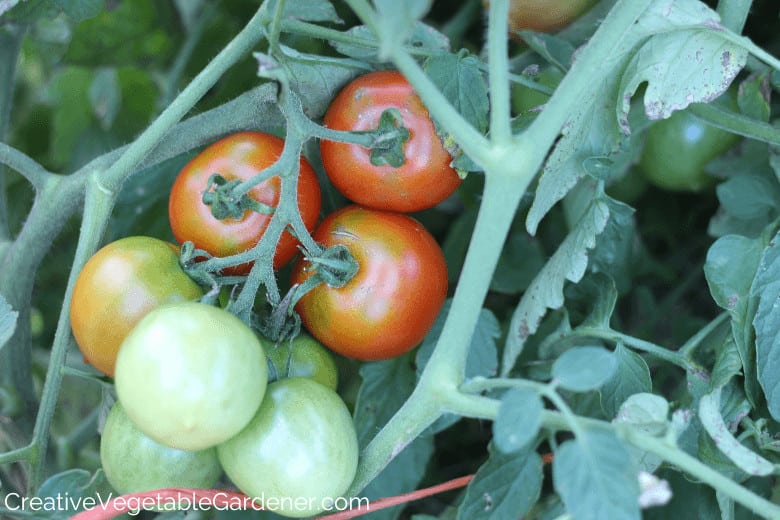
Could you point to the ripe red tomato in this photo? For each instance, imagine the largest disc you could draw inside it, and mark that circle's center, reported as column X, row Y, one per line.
column 392, row 301
column 422, row 181
column 238, row 156
column 118, row 286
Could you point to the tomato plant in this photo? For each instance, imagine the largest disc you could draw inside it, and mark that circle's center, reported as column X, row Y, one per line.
column 119, row 285
column 425, row 177
column 304, row 356
column 134, row 462
column 239, row 156
column 299, row 452
column 390, row 304
column 678, row 148
column 190, row 375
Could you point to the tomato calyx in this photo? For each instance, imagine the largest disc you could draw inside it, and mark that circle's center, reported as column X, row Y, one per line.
column 335, row 266
column 388, row 140
column 228, row 202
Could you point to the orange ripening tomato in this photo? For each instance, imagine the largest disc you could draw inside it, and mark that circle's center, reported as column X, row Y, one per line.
column 544, row 15
column 390, row 304
column 239, row 156
column 423, row 180
column 118, row 286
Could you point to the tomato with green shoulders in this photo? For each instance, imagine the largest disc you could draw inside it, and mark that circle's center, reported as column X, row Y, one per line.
column 119, row 285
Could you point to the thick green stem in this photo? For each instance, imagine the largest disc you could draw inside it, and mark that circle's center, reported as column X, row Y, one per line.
column 498, row 67
column 16, row 455
column 10, row 44
column 736, row 123
column 734, row 13
column 97, row 209
column 658, row 351
column 25, row 165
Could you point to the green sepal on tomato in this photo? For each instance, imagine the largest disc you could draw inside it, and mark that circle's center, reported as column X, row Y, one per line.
column 678, row 148
column 118, row 286
column 425, row 177
column 190, row 375
column 390, row 304
column 302, row 356
column 298, row 452
column 134, row 462
column 239, row 156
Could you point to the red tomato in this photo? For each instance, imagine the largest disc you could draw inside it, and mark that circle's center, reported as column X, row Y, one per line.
column 390, row 304
column 238, row 156
column 422, row 181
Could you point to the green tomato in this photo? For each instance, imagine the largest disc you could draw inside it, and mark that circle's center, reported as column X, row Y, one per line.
column 304, row 356
column 299, row 451
column 133, row 462
column 191, row 376
column 525, row 98
column 678, row 148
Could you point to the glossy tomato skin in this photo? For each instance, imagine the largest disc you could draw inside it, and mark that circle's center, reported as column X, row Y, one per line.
column 396, row 294
column 678, row 148
column 190, row 375
column 117, row 287
column 239, row 156
column 304, row 356
column 300, row 449
column 422, row 181
column 133, row 462
column 544, row 15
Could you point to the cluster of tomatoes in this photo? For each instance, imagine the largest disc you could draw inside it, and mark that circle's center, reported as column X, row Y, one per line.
column 192, row 379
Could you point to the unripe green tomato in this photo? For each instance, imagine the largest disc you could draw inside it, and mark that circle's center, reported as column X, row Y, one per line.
column 304, row 356
column 525, row 98
column 678, row 148
column 133, row 462
column 191, row 376
column 300, row 449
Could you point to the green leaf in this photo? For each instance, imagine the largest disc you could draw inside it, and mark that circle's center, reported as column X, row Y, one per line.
column 520, row 260
column 615, row 251
column 747, row 460
column 546, row 291
column 309, row 11
column 766, row 287
column 731, row 265
column 504, row 488
column 727, row 363
column 459, row 78
column 78, row 485
column 595, row 478
column 584, row 368
column 518, row 420
column 632, row 376
column 553, row 49
column 600, row 290
column 105, row 96
column 754, row 96
column 647, row 413
column 317, row 79
column 386, row 386
column 749, row 197
column 423, row 37
column 8, row 318
column 665, row 63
